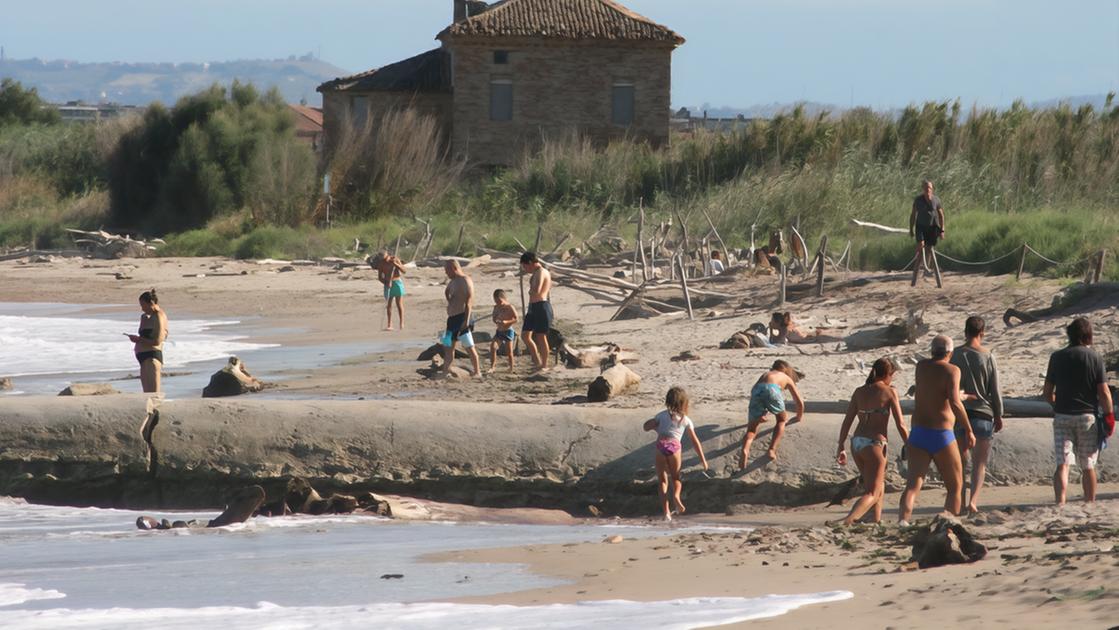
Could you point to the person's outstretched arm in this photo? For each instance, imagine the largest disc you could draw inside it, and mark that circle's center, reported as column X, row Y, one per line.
column 940, row 217
column 899, row 419
column 913, row 219
column 844, row 429
column 650, row 424
column 798, row 399
column 695, row 444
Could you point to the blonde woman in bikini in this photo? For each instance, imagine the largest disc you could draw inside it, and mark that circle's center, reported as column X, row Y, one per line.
column 148, row 343
column 872, row 404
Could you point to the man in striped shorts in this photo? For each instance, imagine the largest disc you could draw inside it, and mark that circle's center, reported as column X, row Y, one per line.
column 1076, row 386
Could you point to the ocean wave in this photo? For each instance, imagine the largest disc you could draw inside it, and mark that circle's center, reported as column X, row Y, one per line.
column 676, row 614
column 13, row 594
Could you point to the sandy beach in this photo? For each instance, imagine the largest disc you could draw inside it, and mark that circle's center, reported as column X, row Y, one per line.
column 1046, row 566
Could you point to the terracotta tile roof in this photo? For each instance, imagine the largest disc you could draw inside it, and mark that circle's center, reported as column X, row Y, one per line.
column 562, row 19
column 426, row 72
column 307, row 118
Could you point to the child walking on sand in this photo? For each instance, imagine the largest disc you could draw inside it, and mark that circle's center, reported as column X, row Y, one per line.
column 766, row 397
column 670, row 425
column 505, row 316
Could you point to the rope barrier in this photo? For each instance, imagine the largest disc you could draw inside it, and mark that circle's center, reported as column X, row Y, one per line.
column 975, row 264
column 1059, row 264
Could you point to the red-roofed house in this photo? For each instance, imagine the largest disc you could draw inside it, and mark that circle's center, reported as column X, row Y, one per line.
column 308, row 125
column 508, row 75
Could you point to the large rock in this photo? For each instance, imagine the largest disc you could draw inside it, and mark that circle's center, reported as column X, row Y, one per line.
column 232, row 380
column 89, row 389
column 946, row 541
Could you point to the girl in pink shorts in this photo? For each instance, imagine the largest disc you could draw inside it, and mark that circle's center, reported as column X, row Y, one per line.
column 670, row 425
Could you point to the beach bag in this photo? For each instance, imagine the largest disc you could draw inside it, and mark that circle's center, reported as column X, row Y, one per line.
column 1101, row 432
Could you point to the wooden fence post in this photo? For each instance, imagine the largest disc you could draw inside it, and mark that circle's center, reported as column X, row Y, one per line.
column 641, row 245
column 936, row 269
column 684, row 286
column 1100, row 260
column 1022, row 262
column 781, row 284
column 461, row 233
column 821, row 257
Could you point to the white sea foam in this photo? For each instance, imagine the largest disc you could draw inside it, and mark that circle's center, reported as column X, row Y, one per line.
column 13, row 594
column 35, row 345
column 666, row 615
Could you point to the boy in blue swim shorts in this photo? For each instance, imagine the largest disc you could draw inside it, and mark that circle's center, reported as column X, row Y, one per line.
column 389, row 271
column 767, row 397
column 505, row 316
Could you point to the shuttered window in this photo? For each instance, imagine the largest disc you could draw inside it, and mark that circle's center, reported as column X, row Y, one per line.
column 501, row 100
column 623, row 104
column 359, row 111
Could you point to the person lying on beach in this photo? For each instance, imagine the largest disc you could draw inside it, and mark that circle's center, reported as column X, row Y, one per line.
column 715, row 265
column 767, row 398
column 872, row 404
column 671, row 425
column 389, row 271
column 937, row 408
column 979, row 377
column 505, row 316
column 782, row 329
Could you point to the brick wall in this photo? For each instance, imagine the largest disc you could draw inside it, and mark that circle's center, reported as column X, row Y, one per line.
column 557, row 87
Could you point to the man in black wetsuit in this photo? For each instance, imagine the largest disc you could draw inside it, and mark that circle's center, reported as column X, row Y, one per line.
column 926, row 222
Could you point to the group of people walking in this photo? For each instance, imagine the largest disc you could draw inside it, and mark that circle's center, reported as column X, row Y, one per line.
column 958, row 408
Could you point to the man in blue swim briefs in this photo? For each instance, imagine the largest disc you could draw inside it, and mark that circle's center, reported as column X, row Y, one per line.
column 937, row 408
column 767, row 397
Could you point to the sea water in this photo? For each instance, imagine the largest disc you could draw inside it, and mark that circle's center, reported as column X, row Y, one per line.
column 90, row 568
column 45, row 347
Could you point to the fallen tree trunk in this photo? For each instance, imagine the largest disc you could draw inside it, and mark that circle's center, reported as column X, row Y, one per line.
column 594, row 356
column 612, row 383
column 882, row 228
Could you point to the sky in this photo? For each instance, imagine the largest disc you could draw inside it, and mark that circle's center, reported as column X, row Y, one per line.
column 880, row 53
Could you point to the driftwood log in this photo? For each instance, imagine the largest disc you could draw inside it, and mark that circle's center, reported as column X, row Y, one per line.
column 945, row 541
column 101, row 244
column 900, row 332
column 612, row 383
column 594, row 356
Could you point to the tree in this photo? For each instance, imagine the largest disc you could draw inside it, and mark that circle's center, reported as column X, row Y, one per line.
column 20, row 106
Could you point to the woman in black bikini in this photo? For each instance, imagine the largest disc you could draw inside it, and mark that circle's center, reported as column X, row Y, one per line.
column 873, row 403
column 148, row 344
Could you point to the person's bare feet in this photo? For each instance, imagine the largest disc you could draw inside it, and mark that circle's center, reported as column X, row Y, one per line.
column 742, row 460
column 680, row 509
column 491, row 370
column 387, row 328
column 772, row 455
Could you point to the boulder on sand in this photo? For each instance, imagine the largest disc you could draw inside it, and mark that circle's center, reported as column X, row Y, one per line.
column 88, row 389
column 945, row 541
column 232, row 380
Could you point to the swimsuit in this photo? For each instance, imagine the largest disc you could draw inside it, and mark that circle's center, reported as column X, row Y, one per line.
column 508, row 335
column 456, row 325
column 148, row 333
column 668, row 446
column 858, row 443
column 931, row 441
column 928, row 235
column 982, row 425
column 766, row 398
column 539, row 317
column 395, row 289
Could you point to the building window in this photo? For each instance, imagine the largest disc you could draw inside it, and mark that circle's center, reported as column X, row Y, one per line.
column 359, row 111
column 501, row 57
column 501, row 100
column 623, row 104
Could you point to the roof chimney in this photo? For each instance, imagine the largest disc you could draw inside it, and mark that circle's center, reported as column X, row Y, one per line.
column 460, row 11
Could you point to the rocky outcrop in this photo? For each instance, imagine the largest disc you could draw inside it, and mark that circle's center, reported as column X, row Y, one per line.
column 945, row 541
column 89, row 389
column 232, row 380
column 122, row 451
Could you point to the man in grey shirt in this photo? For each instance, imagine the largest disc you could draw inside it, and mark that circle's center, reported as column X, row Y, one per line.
column 926, row 222
column 979, row 380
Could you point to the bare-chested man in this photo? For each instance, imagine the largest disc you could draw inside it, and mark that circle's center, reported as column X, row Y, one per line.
column 538, row 319
column 937, row 409
column 460, row 303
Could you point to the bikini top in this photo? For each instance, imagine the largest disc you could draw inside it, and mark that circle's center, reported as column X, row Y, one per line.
column 882, row 410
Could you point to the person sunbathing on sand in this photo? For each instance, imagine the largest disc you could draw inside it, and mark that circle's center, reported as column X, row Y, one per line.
column 766, row 397
column 782, row 329
column 873, row 404
column 671, row 425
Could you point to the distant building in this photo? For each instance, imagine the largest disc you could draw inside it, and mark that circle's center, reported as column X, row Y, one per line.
column 510, row 74
column 80, row 112
column 308, row 125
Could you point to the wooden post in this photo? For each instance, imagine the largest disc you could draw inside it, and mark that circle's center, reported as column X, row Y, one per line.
column 1100, row 260
column 783, row 282
column 461, row 233
column 640, row 246
column 653, row 256
column 1022, row 262
column 704, row 257
column 717, row 237
column 936, row 269
column 684, row 232
column 524, row 309
column 559, row 244
column 430, row 240
column 539, row 233
column 396, row 249
column 821, row 257
column 684, row 286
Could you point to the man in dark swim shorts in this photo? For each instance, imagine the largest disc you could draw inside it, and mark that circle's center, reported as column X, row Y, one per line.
column 926, row 223
column 538, row 318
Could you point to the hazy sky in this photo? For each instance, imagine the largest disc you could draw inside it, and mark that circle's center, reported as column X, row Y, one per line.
column 739, row 52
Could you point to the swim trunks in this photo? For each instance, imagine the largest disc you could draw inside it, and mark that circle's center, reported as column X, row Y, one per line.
column 928, row 235
column 1075, row 434
column 668, row 446
column 151, row 354
column 982, row 426
column 505, row 335
column 858, row 443
column 456, row 326
column 395, row 289
column 539, row 317
column 932, row 441
column 766, row 398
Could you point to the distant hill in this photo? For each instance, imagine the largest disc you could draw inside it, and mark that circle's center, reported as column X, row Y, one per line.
column 1095, row 100
column 142, row 83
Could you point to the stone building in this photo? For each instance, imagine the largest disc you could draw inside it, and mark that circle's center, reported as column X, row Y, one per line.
column 510, row 74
